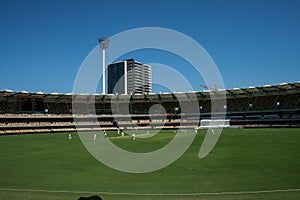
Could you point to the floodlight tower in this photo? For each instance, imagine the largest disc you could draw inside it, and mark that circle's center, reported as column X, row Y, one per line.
column 103, row 42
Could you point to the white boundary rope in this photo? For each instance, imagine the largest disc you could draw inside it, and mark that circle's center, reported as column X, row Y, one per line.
column 140, row 194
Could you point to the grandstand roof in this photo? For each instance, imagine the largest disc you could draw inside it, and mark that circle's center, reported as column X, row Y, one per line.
column 283, row 88
column 266, row 90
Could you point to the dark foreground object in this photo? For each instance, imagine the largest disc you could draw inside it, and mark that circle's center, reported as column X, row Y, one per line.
column 90, row 198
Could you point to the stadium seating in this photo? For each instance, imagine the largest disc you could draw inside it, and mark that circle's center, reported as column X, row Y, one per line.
column 35, row 112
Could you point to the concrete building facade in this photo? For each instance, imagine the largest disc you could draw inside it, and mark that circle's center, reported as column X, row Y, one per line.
column 129, row 77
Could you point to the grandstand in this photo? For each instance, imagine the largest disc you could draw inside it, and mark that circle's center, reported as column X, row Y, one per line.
column 267, row 106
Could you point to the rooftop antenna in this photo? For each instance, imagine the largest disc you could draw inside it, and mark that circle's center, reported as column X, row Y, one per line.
column 103, row 42
column 210, row 88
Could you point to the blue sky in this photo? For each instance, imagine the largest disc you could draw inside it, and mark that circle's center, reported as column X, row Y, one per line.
column 43, row 43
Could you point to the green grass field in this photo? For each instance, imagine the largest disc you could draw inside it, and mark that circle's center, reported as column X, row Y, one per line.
column 245, row 164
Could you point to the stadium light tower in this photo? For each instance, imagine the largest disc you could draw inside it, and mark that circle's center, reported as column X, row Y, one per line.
column 103, row 42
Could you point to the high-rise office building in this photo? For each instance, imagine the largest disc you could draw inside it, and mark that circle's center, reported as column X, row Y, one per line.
column 129, row 77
